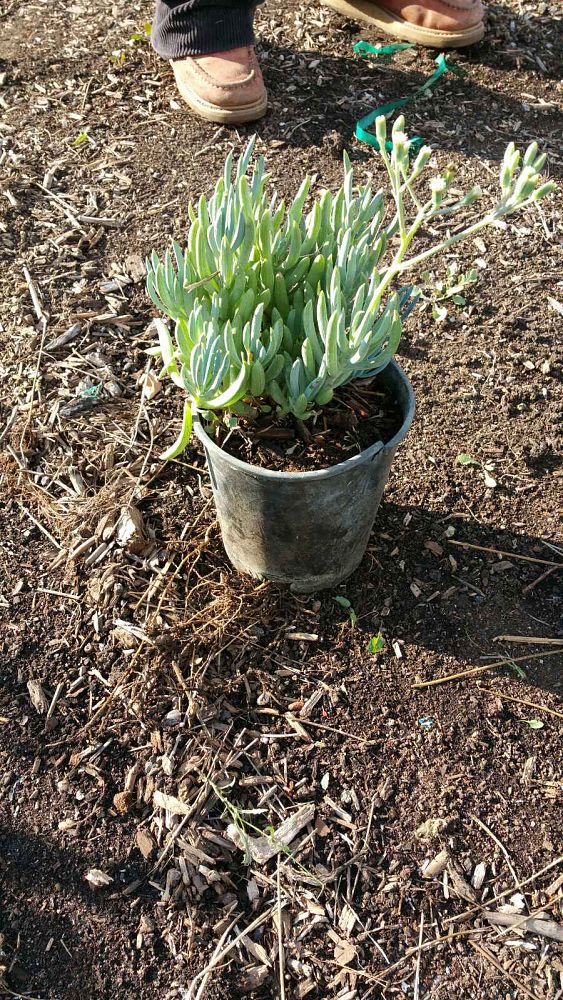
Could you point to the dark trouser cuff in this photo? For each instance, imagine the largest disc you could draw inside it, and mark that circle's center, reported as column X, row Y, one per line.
column 179, row 31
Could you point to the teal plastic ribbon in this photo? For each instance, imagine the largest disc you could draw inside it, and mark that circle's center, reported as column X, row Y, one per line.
column 365, row 49
column 362, row 130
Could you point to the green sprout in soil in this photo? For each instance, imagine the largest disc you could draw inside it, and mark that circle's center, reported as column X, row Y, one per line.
column 518, row 670
column 238, row 819
column 276, row 306
column 345, row 603
column 436, row 291
column 376, row 644
column 487, row 468
column 143, row 35
column 81, row 138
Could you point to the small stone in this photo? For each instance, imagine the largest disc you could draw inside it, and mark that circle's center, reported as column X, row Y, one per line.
column 97, row 878
column 479, row 875
column 437, row 865
column 173, row 718
column 122, row 802
column 146, row 925
column 460, row 886
column 431, row 828
column 134, row 267
column 433, row 547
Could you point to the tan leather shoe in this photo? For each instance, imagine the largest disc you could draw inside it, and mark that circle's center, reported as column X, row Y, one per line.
column 225, row 87
column 439, row 23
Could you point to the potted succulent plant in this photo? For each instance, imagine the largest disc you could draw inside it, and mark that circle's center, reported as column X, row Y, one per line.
column 278, row 313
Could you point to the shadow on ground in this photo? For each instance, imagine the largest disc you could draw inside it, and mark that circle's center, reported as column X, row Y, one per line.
column 45, row 898
column 467, row 598
column 317, row 98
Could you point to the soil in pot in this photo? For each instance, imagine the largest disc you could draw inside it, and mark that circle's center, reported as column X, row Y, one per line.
column 360, row 414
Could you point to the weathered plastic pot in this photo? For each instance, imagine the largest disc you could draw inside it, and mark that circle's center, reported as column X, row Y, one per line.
column 305, row 529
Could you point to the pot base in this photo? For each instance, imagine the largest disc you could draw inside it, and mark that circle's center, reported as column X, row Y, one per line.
column 305, row 530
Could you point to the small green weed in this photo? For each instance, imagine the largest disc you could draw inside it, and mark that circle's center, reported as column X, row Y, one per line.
column 143, row 35
column 376, row 644
column 118, row 56
column 244, row 825
column 486, row 468
column 345, row 603
column 435, row 291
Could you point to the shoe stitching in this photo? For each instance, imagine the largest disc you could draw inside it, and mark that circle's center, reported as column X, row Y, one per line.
column 445, row 33
column 254, row 106
column 206, row 78
column 455, row 6
column 445, row 3
column 201, row 105
column 438, row 32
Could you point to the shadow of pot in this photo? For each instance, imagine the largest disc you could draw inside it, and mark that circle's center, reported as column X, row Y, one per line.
column 306, row 529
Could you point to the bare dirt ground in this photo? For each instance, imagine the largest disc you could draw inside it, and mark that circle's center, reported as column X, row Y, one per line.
column 149, row 697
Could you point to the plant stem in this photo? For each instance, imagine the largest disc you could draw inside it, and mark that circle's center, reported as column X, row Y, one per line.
column 488, row 220
column 408, row 187
column 463, row 235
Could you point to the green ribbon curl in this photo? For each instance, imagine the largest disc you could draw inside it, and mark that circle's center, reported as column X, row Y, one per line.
column 362, row 130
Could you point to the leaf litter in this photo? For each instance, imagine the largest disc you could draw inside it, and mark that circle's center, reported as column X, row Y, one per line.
column 183, row 703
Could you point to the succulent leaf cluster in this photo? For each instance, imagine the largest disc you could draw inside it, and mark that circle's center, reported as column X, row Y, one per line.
column 276, row 305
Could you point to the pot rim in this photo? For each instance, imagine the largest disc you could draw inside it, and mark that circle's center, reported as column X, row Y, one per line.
column 333, row 470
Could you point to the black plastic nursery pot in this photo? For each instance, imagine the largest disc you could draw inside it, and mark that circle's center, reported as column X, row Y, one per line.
column 308, row 530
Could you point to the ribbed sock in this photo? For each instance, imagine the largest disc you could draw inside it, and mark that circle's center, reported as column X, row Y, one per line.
column 179, row 30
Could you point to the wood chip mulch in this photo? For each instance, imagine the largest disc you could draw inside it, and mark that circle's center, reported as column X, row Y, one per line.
column 210, row 787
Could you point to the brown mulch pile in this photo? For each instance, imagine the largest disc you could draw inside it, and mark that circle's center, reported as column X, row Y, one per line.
column 210, row 787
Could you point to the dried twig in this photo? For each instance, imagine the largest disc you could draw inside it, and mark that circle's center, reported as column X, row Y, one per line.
column 554, row 548
column 425, row 946
column 11, row 420
column 471, row 586
column 38, row 525
column 54, row 700
column 34, row 296
column 506, row 892
column 6, row 13
column 341, row 732
column 500, row 846
column 3, row 986
column 98, row 220
column 62, row 204
column 523, row 989
column 481, row 670
column 116, row 689
column 546, row 928
column 502, row 552
column 539, row 640
column 524, row 701
column 539, row 579
column 38, row 309
column 416, row 987
column 281, row 956
column 220, row 953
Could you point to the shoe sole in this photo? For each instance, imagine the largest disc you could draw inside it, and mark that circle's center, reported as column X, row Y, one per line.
column 393, row 24
column 224, row 116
